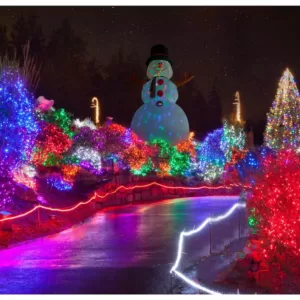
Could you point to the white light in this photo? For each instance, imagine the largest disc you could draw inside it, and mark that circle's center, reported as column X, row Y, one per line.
column 85, row 123
column 189, row 233
column 196, row 285
column 86, row 154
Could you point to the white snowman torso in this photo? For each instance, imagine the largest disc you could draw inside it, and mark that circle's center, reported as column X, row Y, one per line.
column 165, row 90
column 160, row 117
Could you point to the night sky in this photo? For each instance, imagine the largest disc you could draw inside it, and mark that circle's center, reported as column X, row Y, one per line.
column 240, row 48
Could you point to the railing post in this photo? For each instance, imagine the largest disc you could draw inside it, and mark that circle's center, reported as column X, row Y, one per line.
column 39, row 218
column 210, row 237
column 239, row 217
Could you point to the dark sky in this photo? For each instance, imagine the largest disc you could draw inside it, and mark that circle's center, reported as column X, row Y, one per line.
column 241, row 48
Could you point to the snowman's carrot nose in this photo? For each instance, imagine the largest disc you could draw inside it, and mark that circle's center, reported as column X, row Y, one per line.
column 160, row 65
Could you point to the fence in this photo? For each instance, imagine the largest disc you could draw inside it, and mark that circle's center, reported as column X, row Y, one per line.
column 149, row 189
column 133, row 190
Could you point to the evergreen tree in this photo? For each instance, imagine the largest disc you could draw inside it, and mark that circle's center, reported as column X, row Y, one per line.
column 127, row 97
column 283, row 125
column 64, row 76
column 24, row 30
column 3, row 41
column 193, row 103
column 215, row 109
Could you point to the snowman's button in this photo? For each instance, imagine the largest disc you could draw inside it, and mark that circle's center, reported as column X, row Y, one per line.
column 160, row 81
column 160, row 93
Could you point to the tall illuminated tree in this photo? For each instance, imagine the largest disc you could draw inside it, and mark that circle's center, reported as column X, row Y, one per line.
column 18, row 129
column 283, row 125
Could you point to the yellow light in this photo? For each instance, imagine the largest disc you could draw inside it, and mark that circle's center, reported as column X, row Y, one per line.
column 96, row 106
column 237, row 102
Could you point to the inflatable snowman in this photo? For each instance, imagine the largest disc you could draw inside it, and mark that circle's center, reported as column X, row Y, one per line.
column 160, row 117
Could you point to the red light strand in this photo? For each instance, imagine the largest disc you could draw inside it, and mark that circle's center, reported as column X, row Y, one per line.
column 115, row 191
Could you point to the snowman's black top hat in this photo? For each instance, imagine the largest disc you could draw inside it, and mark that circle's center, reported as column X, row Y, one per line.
column 158, row 52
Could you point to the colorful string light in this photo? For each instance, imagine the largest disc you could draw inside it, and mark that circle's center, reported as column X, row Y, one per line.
column 62, row 119
column 69, row 172
column 283, row 126
column 89, row 158
column 233, row 137
column 51, row 143
column 211, row 158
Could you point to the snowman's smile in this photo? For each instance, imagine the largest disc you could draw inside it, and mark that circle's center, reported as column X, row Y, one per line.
column 159, row 103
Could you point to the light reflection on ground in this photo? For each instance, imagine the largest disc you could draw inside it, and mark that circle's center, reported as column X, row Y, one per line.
column 121, row 250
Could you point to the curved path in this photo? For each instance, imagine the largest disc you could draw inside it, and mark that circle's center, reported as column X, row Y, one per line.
column 126, row 249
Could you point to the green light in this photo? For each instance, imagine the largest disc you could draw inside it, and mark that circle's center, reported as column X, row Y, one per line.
column 62, row 119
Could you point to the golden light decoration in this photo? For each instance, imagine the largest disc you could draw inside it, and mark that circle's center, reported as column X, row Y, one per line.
column 69, row 172
column 164, row 169
column 237, row 102
column 96, row 106
column 188, row 145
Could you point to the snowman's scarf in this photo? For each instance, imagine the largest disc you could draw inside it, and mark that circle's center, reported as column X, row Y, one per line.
column 153, row 88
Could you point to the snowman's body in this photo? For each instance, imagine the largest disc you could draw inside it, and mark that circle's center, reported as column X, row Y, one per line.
column 160, row 117
column 166, row 90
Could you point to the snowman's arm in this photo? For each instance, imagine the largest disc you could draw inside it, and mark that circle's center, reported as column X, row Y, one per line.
column 183, row 82
column 139, row 82
column 136, row 80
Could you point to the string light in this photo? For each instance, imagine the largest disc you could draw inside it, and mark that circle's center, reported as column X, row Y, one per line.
column 62, row 119
column 7, row 185
column 69, row 172
column 58, row 183
column 275, row 206
column 211, row 158
column 283, row 125
column 89, row 158
column 51, row 143
column 96, row 106
column 195, row 231
column 121, row 187
column 21, row 178
column 85, row 123
column 237, row 102
column 233, row 137
column 18, row 127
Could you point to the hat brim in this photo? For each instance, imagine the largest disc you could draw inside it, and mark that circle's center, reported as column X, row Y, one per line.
column 158, row 57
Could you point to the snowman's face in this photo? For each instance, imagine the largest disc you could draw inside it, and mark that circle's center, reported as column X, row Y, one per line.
column 159, row 68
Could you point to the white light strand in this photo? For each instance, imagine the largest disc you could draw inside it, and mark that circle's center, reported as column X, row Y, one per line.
column 85, row 123
column 86, row 154
column 189, row 233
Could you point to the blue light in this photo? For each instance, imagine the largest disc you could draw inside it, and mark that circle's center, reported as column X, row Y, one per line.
column 56, row 182
column 18, row 127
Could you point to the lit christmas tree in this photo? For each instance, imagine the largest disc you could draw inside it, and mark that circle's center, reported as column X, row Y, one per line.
column 18, row 129
column 283, row 125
